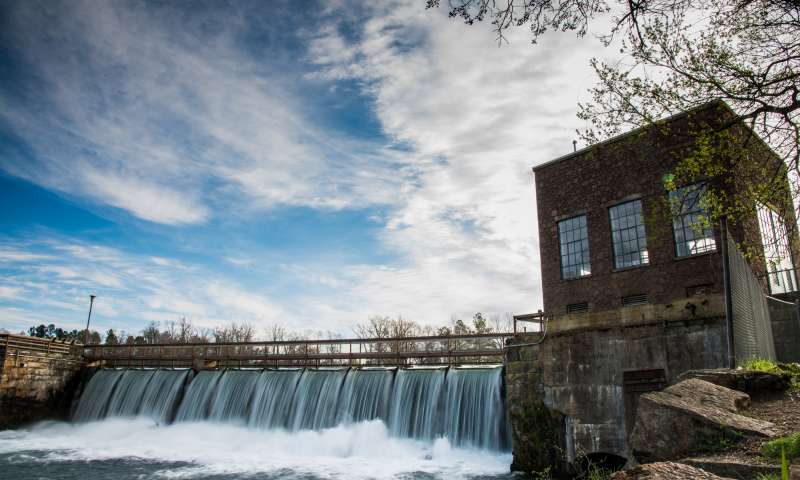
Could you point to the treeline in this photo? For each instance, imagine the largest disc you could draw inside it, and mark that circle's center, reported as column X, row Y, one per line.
column 58, row 333
column 184, row 331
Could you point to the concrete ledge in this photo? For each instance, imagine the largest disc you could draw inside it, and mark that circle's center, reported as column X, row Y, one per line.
column 680, row 310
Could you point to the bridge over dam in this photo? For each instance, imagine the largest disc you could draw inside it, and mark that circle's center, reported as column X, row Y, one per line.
column 549, row 397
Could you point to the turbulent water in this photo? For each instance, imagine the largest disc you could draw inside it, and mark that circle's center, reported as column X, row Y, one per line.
column 289, row 423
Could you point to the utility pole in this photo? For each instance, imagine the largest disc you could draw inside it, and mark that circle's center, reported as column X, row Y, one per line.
column 86, row 332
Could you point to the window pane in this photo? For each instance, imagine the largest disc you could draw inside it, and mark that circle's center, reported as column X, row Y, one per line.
column 628, row 234
column 777, row 252
column 574, row 244
column 692, row 232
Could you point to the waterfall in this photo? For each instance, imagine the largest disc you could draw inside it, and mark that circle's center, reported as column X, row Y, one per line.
column 163, row 390
column 94, row 399
column 272, row 402
column 198, row 397
column 416, row 401
column 474, row 413
column 129, row 393
column 366, row 395
column 464, row 405
column 316, row 399
column 233, row 395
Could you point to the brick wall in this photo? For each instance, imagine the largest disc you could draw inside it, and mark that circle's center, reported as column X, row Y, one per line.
column 631, row 167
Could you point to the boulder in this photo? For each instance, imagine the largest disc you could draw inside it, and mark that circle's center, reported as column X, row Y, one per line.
column 710, row 395
column 664, row 471
column 689, row 417
column 749, row 381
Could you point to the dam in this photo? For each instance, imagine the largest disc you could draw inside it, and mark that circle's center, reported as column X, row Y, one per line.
column 462, row 404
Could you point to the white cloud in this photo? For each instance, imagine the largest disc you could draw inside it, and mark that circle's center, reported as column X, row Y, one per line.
column 131, row 291
column 465, row 121
column 130, row 113
column 476, row 118
column 8, row 255
column 9, row 292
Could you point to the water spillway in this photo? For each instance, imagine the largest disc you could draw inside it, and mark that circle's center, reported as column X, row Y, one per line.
column 130, row 393
column 464, row 405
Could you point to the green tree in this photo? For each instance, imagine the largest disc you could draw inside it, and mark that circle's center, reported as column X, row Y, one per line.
column 111, row 337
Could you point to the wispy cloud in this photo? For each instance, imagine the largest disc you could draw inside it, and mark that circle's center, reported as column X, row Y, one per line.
column 128, row 110
column 182, row 119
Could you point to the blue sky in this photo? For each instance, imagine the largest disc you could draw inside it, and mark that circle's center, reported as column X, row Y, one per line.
column 298, row 163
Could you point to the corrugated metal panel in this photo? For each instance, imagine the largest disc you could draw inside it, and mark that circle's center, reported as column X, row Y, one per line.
column 752, row 329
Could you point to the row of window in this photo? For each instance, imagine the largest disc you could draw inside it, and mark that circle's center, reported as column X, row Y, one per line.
column 691, row 230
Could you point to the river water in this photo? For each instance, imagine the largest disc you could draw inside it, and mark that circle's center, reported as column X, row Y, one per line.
column 311, row 424
column 122, row 449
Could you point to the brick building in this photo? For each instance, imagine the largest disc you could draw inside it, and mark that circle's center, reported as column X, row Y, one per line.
column 611, row 236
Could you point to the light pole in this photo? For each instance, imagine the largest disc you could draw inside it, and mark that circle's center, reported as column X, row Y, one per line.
column 86, row 333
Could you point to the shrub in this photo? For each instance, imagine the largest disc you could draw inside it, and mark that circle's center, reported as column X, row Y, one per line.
column 763, row 365
column 790, row 445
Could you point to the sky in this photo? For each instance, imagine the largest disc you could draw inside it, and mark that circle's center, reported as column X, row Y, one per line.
column 294, row 163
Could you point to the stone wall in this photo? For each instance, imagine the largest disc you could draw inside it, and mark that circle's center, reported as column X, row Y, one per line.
column 36, row 386
column 785, row 318
column 589, row 380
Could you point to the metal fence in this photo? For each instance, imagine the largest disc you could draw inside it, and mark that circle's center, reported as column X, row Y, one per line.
column 752, row 328
column 429, row 350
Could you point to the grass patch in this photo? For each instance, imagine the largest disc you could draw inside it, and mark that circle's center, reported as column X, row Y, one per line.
column 763, row 365
column 790, row 446
column 599, row 473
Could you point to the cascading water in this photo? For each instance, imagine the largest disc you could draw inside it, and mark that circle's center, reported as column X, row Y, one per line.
column 272, row 402
column 162, row 393
column 416, row 402
column 130, row 393
column 366, row 395
column 474, row 410
column 464, row 405
column 96, row 395
column 233, row 395
column 316, row 398
column 198, row 397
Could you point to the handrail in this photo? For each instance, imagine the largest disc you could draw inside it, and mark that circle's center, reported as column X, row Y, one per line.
column 389, row 350
column 10, row 341
column 318, row 342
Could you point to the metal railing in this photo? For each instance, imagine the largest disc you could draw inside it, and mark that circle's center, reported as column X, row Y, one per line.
column 428, row 350
column 781, row 281
column 24, row 346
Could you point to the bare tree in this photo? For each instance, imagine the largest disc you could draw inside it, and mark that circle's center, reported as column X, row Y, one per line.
column 234, row 332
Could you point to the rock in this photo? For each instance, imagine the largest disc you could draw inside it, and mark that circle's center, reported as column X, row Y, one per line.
column 689, row 417
column 664, row 471
column 734, row 468
column 710, row 394
column 749, row 381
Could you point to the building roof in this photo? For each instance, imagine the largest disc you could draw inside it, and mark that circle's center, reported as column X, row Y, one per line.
column 622, row 136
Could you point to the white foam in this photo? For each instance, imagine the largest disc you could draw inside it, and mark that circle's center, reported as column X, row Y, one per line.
column 363, row 450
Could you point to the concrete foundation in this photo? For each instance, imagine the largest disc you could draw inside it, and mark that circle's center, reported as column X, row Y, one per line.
column 590, row 374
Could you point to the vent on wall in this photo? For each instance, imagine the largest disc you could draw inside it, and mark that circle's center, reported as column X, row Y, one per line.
column 578, row 307
column 632, row 300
